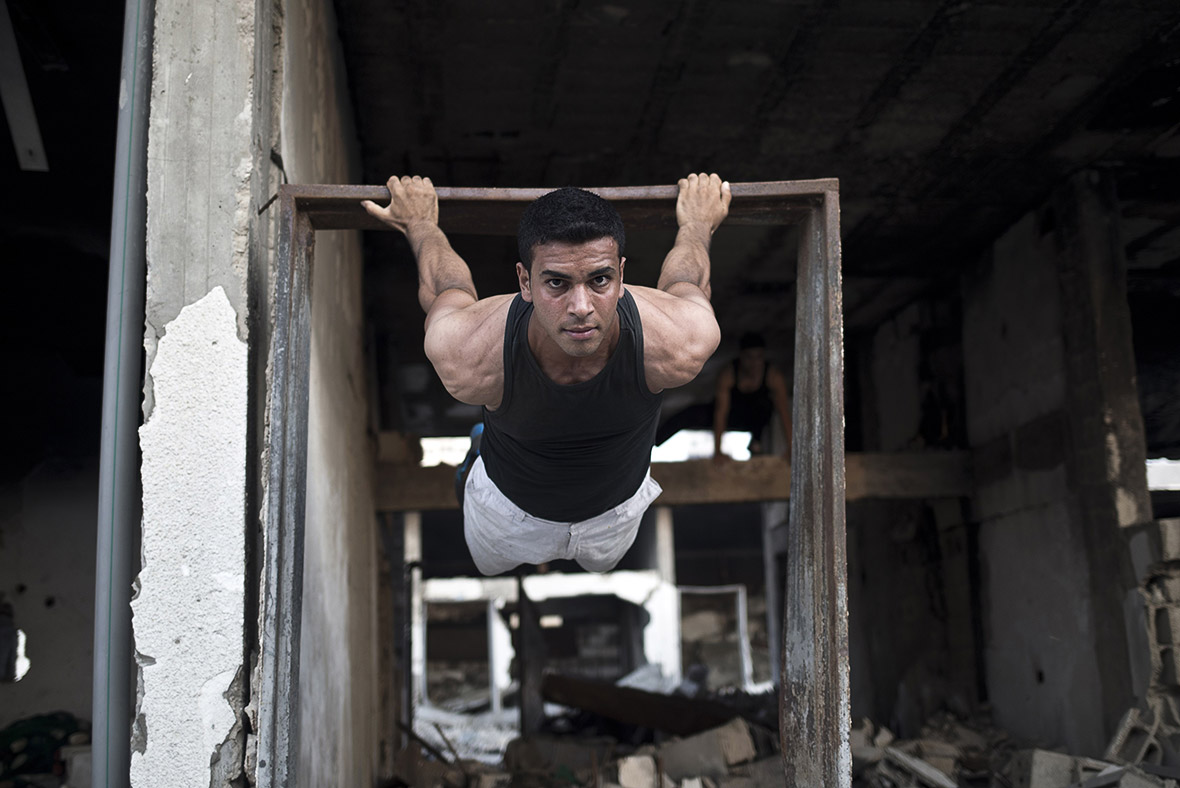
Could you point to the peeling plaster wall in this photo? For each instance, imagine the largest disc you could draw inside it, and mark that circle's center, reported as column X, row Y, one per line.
column 47, row 574
column 190, row 610
column 187, row 614
column 339, row 689
column 199, row 159
column 1043, row 676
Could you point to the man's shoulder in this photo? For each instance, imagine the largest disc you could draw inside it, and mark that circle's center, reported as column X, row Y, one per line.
column 465, row 347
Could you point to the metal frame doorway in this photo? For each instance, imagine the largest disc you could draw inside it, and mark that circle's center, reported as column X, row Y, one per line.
column 814, row 710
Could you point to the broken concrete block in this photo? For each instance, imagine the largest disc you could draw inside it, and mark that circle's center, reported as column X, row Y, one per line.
column 883, row 738
column 637, row 771
column 942, row 755
column 860, row 737
column 78, row 765
column 709, row 754
column 1044, row 769
column 692, row 782
column 494, row 780
column 919, row 769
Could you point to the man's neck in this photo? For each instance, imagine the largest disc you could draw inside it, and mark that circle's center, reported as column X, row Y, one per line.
column 563, row 368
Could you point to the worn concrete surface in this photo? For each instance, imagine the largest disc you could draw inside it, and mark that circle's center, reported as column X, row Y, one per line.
column 187, row 614
column 199, row 160
column 1045, row 667
column 339, row 690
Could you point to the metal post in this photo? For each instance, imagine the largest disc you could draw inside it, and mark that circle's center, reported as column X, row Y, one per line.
column 119, row 502
column 814, row 708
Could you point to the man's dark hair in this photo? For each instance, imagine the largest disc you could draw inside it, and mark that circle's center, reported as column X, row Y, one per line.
column 570, row 215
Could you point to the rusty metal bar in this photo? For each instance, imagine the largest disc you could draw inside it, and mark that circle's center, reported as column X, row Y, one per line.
column 497, row 211
column 282, row 597
column 814, row 710
column 814, row 700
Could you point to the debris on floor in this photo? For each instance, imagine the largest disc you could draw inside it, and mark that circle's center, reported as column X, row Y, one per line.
column 954, row 754
column 609, row 736
column 47, row 751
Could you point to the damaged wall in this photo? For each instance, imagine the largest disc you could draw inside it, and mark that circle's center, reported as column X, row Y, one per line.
column 1056, row 438
column 188, row 614
column 189, row 611
column 338, row 683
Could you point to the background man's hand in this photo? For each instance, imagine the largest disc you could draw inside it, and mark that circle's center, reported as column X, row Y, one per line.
column 703, row 199
column 412, row 201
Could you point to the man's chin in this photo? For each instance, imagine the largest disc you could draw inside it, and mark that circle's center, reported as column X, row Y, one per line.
column 580, row 348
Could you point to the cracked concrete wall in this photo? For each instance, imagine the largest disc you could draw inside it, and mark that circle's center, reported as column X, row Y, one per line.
column 187, row 614
column 1058, row 455
column 1039, row 650
column 338, row 684
column 189, row 611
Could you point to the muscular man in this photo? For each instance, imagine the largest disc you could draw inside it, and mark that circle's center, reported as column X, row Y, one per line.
column 569, row 371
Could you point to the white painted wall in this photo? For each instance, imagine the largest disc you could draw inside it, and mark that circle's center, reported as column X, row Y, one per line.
column 338, row 683
column 47, row 530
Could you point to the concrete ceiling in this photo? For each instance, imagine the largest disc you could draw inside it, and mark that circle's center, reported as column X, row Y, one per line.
column 944, row 120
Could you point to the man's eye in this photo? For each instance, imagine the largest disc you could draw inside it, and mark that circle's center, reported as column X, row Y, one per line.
column 601, row 281
column 554, row 283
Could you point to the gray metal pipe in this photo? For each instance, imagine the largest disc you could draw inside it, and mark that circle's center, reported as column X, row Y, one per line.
column 119, row 503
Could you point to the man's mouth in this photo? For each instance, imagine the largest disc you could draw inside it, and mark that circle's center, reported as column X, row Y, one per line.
column 579, row 332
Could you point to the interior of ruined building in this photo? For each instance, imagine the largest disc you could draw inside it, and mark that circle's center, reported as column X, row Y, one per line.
column 1010, row 225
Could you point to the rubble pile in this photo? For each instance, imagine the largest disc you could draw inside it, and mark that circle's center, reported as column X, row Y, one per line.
column 953, row 754
column 733, row 755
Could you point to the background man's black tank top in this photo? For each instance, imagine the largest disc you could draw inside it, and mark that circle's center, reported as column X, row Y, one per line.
column 571, row 452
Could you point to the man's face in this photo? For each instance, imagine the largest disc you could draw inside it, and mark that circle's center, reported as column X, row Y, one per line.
column 574, row 290
column 752, row 358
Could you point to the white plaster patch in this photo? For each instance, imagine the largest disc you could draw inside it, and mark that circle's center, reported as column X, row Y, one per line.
column 216, row 715
column 188, row 618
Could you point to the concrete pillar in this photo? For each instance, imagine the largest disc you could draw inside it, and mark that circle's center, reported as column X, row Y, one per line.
column 1106, row 453
column 1059, row 464
column 190, row 611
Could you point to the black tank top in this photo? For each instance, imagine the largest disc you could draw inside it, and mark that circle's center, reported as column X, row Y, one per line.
column 750, row 411
column 571, row 452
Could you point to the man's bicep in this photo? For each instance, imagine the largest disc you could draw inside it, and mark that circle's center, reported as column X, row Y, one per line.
column 680, row 334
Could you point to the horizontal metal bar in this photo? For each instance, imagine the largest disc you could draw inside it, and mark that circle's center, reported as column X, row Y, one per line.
column 497, row 211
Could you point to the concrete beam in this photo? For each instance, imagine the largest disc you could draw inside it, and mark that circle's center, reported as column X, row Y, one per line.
column 886, row 475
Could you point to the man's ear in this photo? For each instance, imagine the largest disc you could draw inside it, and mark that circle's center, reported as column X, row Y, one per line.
column 522, row 275
column 621, row 261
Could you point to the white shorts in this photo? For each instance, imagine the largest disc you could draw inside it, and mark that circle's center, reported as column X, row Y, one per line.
column 501, row 535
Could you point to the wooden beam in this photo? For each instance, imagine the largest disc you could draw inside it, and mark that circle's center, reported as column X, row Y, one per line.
column 942, row 474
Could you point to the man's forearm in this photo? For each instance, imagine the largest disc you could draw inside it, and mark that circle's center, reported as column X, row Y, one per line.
column 439, row 267
column 689, row 259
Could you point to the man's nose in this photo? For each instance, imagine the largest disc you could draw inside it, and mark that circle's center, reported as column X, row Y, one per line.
column 580, row 303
